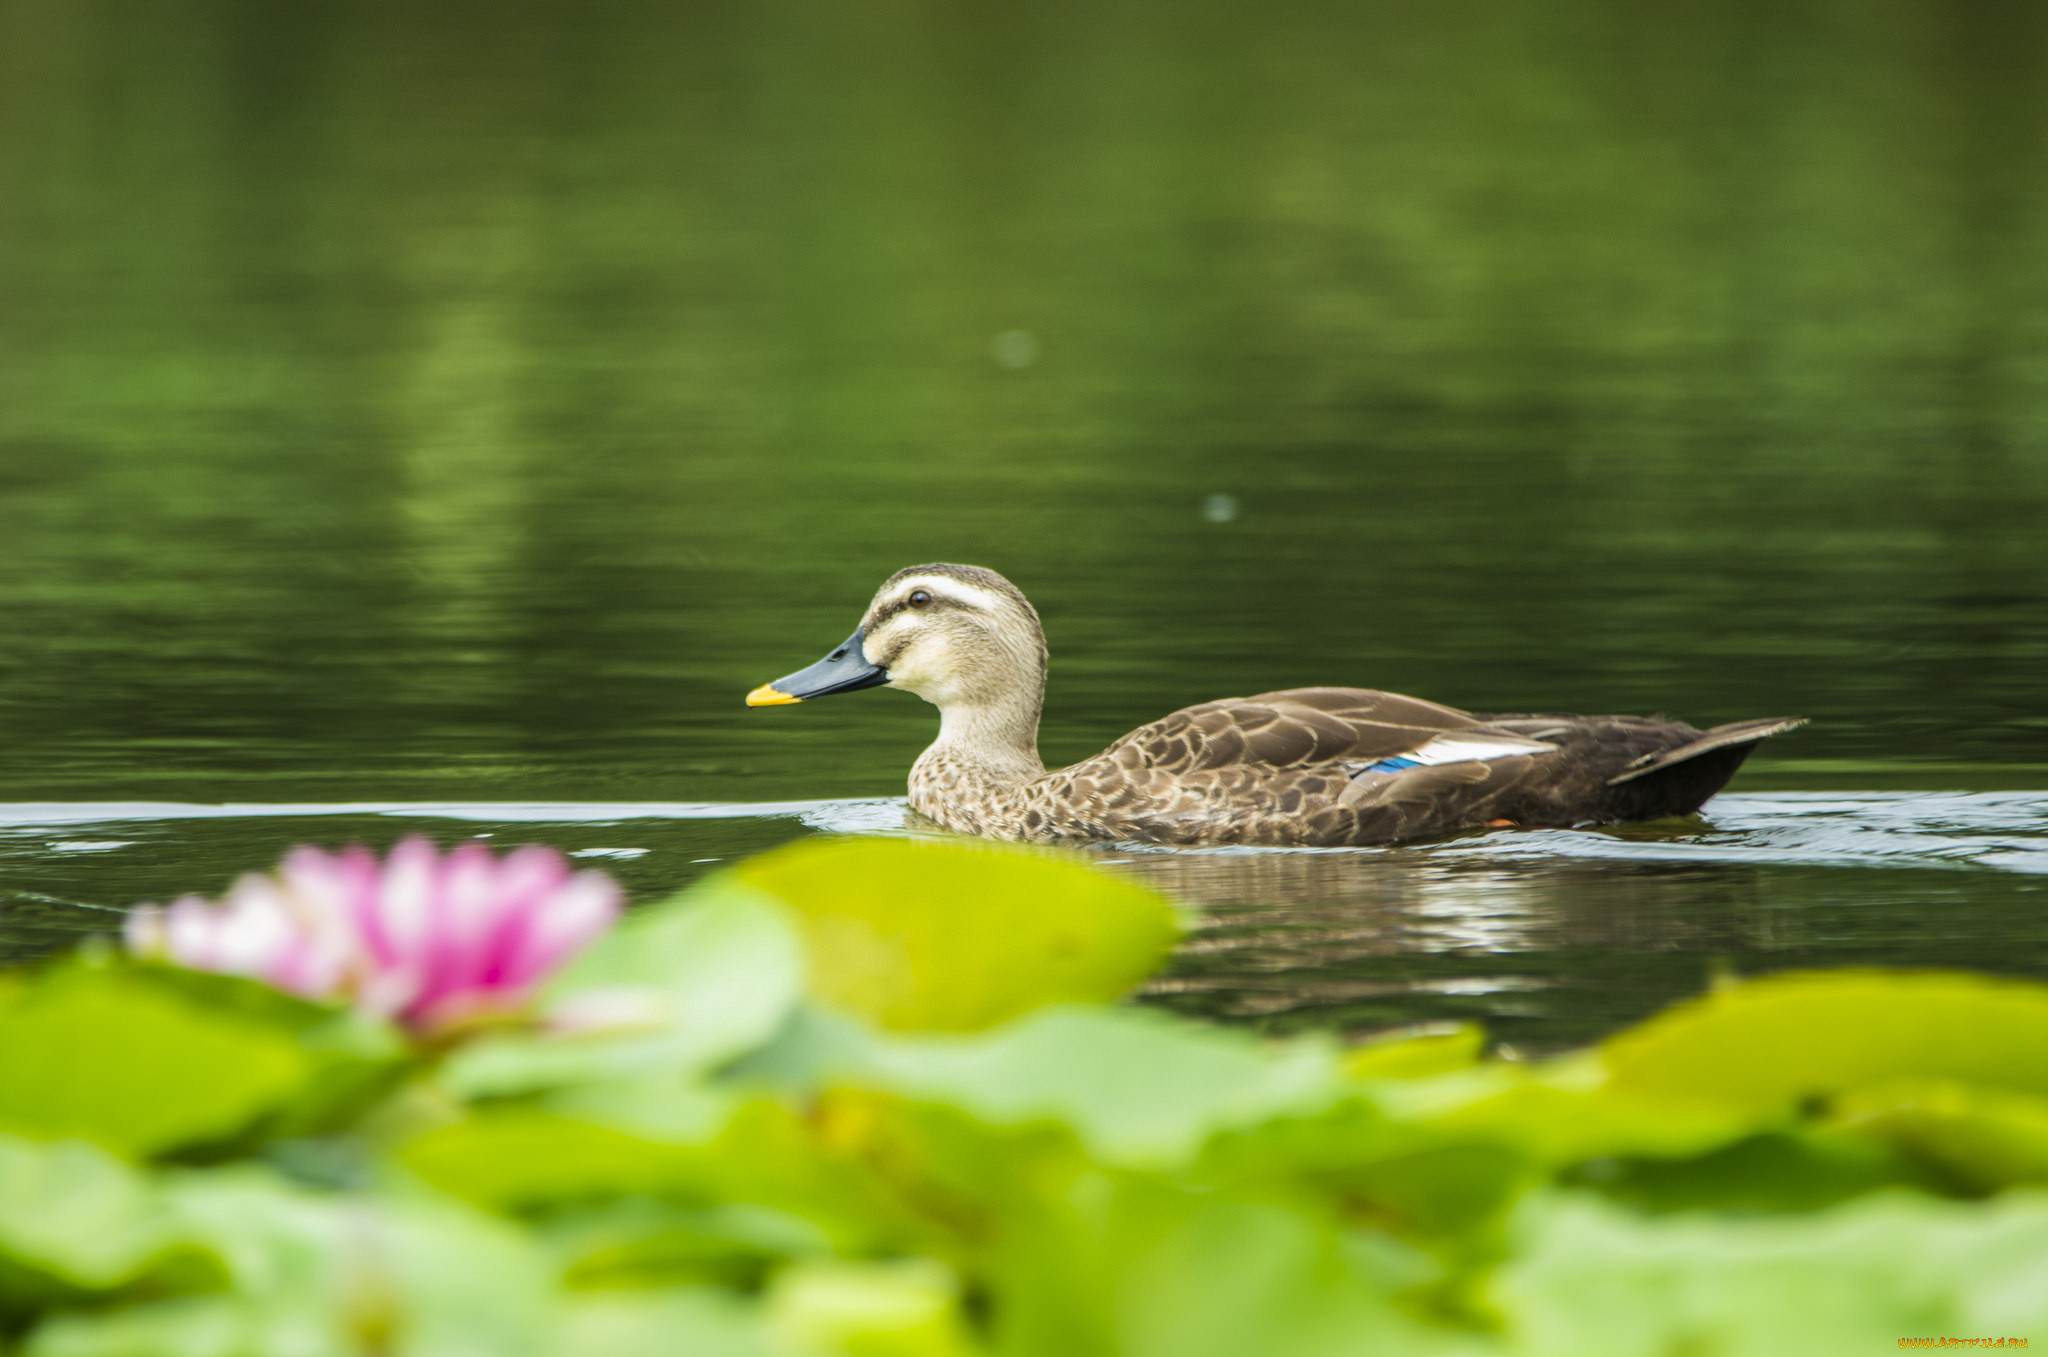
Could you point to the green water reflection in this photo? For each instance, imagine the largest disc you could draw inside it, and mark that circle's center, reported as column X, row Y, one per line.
column 450, row 400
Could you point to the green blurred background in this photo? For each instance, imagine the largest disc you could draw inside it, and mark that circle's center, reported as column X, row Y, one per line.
column 429, row 399
column 436, row 400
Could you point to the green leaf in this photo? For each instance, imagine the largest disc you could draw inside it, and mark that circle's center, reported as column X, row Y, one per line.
column 1415, row 1054
column 679, row 1323
column 759, row 1153
column 1802, row 1170
column 101, row 1054
column 286, row 1249
column 957, row 937
column 1138, row 1088
column 1766, row 1047
column 676, row 989
column 642, row 1241
column 903, row 1308
column 77, row 1213
column 1433, row 1191
column 192, row 1326
column 414, row 1273
column 1445, row 1195
column 1594, row 1278
column 1978, row 1139
column 518, row 1157
column 1133, row 1267
column 332, row 1276
column 354, row 1058
column 296, row 1264
column 464, row 1284
column 1558, row 1112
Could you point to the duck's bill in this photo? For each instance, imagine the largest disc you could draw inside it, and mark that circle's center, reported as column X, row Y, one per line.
column 845, row 670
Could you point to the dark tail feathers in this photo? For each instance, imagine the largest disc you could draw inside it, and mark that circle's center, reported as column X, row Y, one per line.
column 1679, row 781
column 1737, row 733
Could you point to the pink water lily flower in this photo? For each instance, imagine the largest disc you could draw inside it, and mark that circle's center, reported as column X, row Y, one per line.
column 428, row 939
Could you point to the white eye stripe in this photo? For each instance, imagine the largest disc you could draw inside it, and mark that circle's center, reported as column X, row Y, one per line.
column 952, row 591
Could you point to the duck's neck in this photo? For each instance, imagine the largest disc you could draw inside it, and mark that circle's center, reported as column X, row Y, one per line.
column 995, row 742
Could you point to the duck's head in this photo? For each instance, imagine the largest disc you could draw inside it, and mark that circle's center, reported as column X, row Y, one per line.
column 958, row 636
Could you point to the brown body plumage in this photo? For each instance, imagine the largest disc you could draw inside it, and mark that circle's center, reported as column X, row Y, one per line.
column 1310, row 766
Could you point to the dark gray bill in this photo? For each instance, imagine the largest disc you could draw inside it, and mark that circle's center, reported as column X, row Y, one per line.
column 843, row 671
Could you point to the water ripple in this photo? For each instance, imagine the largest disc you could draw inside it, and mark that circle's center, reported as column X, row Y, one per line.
column 2002, row 830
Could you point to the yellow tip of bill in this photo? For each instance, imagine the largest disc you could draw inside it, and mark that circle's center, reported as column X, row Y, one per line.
column 768, row 695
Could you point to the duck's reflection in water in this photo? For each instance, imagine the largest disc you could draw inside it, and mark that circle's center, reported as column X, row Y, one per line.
column 1546, row 953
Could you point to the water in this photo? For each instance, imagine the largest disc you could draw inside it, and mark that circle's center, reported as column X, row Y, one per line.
column 1549, row 937
column 439, row 403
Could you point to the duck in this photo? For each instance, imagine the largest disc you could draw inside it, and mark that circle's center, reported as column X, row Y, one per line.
column 1307, row 767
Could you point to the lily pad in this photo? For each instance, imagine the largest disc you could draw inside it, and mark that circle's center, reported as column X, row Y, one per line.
column 101, row 1054
column 1979, row 1139
column 77, row 1213
column 699, row 1321
column 906, row 1307
column 1137, row 1088
column 1413, row 1054
column 1766, row 1047
column 958, row 937
column 1592, row 1277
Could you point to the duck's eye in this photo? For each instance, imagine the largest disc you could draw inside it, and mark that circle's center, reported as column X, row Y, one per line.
column 919, row 598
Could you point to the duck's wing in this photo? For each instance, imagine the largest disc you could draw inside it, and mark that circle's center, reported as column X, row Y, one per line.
column 1308, row 765
column 1396, row 799
column 1294, row 729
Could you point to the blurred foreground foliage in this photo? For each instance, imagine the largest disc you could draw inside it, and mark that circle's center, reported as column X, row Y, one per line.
column 872, row 1099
